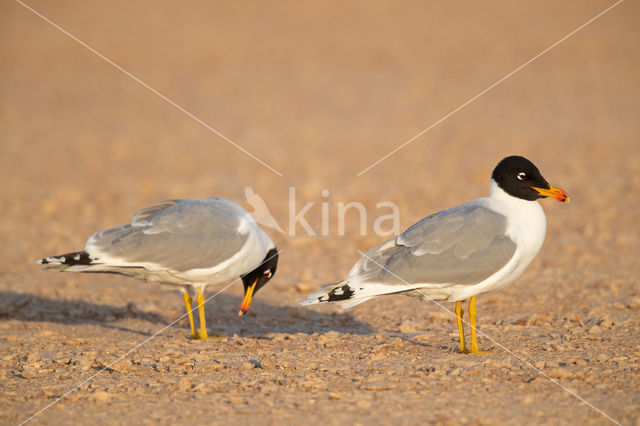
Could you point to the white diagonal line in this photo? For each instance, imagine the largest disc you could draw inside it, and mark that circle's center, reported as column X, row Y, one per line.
column 524, row 361
column 128, row 74
column 489, row 88
column 106, row 367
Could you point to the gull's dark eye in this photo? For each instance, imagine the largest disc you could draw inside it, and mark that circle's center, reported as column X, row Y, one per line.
column 522, row 176
column 267, row 273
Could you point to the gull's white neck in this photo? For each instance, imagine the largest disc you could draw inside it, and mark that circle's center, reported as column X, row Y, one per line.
column 527, row 223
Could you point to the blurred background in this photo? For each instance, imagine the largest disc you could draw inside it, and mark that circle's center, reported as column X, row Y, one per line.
column 319, row 92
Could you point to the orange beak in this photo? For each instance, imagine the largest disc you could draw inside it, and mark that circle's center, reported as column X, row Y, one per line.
column 553, row 192
column 246, row 300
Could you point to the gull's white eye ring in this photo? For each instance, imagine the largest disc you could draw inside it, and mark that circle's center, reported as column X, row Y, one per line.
column 522, row 176
column 267, row 273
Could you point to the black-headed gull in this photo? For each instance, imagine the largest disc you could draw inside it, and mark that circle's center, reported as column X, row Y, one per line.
column 182, row 244
column 474, row 248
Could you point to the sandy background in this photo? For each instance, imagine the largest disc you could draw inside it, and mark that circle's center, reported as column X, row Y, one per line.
column 318, row 91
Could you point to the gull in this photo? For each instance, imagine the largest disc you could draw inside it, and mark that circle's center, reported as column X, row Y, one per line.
column 459, row 253
column 182, row 244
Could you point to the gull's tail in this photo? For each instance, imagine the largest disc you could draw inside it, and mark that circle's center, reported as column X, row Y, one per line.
column 78, row 259
column 340, row 292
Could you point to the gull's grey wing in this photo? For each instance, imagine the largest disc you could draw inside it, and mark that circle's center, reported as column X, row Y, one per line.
column 177, row 234
column 138, row 218
column 460, row 246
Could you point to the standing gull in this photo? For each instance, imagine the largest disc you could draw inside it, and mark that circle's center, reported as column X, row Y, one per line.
column 471, row 249
column 182, row 244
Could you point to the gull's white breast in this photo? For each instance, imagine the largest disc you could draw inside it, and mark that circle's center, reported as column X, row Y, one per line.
column 526, row 226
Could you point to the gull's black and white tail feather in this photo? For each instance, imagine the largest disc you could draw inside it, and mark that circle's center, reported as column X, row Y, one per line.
column 62, row 262
column 341, row 292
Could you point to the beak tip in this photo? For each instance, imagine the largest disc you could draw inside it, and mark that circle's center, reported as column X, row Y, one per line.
column 241, row 312
column 552, row 192
column 563, row 197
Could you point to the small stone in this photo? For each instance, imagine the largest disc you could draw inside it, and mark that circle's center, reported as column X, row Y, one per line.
column 377, row 356
column 29, row 372
column 62, row 360
column 33, row 357
column 268, row 363
column 184, row 384
column 378, row 386
column 209, row 366
column 202, row 388
column 119, row 365
column 101, row 396
column 185, row 361
column 247, row 365
column 560, row 373
column 331, row 335
column 423, row 337
column 235, row 400
column 455, row 372
column 334, row 396
column 175, row 369
column 619, row 359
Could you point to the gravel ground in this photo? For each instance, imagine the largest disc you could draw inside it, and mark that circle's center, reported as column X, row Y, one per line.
column 318, row 92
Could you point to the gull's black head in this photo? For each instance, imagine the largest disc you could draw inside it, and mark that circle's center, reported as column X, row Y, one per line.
column 520, row 178
column 256, row 279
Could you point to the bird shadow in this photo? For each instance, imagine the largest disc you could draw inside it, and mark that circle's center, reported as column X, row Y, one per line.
column 29, row 307
column 222, row 316
column 266, row 318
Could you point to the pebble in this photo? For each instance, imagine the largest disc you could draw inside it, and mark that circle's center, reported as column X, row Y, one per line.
column 268, row 363
column 235, row 400
column 397, row 342
column 247, row 366
column 378, row 386
column 423, row 337
column 376, row 356
column 29, row 372
column 101, row 396
column 184, row 384
column 120, row 365
column 209, row 366
column 559, row 373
